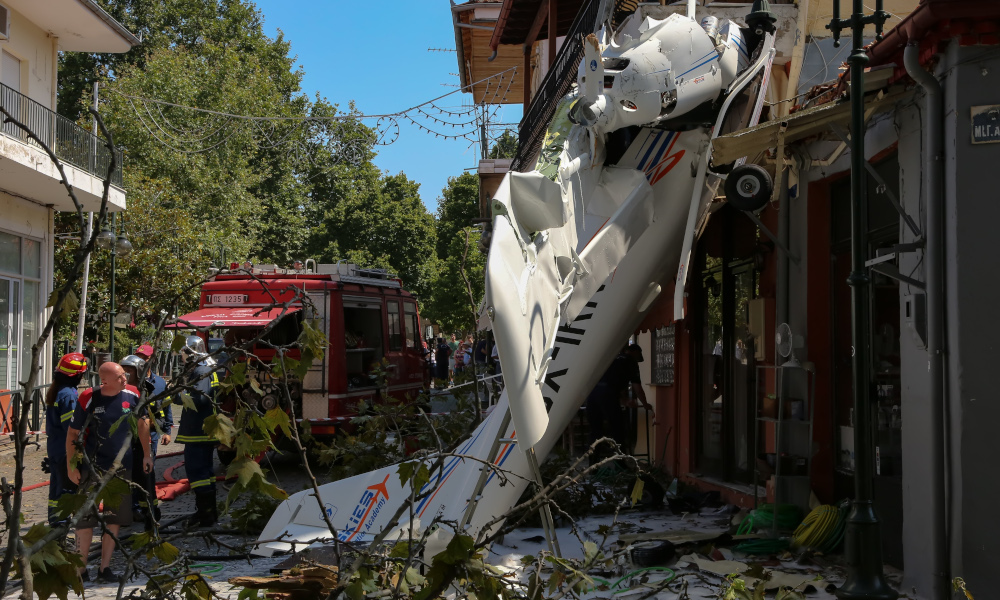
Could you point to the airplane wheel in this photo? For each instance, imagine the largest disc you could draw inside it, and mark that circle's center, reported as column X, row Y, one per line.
column 749, row 187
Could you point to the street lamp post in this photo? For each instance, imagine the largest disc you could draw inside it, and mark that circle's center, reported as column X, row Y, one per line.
column 863, row 541
column 117, row 243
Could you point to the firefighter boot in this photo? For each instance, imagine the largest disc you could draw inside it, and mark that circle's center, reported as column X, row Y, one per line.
column 206, row 514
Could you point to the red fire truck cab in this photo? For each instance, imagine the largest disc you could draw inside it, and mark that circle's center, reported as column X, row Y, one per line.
column 371, row 324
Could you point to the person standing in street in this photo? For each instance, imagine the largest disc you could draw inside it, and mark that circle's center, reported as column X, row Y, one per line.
column 453, row 345
column 199, row 447
column 60, row 402
column 102, row 415
column 442, row 357
column 144, row 503
column 608, row 403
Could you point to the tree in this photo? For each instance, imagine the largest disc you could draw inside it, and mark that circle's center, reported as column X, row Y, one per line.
column 376, row 220
column 506, row 145
column 457, row 207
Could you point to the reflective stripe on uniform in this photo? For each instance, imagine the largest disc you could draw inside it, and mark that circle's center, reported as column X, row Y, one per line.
column 215, row 379
column 53, row 504
column 202, row 483
column 189, row 439
column 66, row 417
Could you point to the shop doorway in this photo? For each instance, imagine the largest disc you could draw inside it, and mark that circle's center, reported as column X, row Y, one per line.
column 725, row 369
column 882, row 224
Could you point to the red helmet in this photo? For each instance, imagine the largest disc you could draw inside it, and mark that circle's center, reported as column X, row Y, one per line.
column 72, row 364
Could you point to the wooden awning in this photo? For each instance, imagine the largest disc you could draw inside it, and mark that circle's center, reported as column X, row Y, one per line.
column 798, row 126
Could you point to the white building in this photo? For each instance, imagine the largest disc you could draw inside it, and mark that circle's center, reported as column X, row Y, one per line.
column 32, row 33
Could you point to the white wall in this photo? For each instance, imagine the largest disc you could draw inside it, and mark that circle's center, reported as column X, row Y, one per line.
column 36, row 50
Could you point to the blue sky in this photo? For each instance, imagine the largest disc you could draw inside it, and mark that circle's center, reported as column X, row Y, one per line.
column 375, row 53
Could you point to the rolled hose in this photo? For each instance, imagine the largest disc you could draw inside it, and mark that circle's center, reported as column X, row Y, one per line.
column 821, row 530
column 789, row 516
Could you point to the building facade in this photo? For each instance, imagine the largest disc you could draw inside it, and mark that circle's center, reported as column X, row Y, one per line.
column 33, row 33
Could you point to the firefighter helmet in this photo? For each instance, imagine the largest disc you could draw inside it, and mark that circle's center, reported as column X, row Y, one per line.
column 133, row 361
column 194, row 348
column 72, row 364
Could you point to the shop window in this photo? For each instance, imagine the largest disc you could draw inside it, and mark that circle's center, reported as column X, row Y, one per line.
column 20, row 305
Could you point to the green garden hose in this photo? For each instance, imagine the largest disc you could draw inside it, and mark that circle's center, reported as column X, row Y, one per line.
column 762, row 518
column 207, row 568
column 759, row 547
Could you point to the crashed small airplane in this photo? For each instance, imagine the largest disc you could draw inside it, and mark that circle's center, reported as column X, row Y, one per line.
column 575, row 263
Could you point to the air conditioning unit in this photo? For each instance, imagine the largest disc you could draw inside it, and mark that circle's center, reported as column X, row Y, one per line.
column 4, row 23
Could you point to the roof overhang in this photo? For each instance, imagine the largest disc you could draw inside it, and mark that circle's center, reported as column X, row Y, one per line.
column 232, row 316
column 474, row 22
column 812, row 122
column 79, row 25
column 930, row 14
column 518, row 16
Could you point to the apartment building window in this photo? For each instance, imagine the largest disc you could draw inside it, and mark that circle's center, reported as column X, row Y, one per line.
column 20, row 305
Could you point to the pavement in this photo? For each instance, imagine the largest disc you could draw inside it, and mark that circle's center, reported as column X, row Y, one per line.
column 698, row 568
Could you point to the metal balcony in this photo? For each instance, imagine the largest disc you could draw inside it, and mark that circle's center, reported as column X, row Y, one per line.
column 73, row 144
column 556, row 84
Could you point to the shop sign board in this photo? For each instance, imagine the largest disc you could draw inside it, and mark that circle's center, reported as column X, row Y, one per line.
column 986, row 124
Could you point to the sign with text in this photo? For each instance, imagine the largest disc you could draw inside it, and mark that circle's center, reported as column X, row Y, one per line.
column 986, row 124
column 663, row 356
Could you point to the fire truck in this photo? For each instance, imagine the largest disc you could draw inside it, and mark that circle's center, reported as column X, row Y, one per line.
column 374, row 342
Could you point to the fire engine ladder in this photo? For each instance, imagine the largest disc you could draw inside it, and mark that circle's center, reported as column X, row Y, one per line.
column 545, row 513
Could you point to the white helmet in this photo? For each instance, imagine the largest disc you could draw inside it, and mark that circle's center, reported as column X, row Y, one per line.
column 194, row 348
column 133, row 361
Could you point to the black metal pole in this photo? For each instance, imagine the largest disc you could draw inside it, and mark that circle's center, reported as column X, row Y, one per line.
column 863, row 540
column 111, row 312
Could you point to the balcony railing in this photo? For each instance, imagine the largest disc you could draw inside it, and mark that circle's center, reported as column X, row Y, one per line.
column 556, row 84
column 73, row 144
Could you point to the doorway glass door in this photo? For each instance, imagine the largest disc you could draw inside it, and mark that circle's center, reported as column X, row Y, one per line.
column 9, row 338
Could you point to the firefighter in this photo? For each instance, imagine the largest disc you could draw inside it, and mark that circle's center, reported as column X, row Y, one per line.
column 60, row 402
column 202, row 382
column 161, row 419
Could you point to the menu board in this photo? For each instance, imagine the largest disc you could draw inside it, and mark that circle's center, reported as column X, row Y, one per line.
column 663, row 356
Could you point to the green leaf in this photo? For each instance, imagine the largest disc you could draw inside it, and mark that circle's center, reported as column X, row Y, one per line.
column 117, row 424
column 69, row 504
column 69, row 306
column 256, row 387
column 304, row 364
column 238, row 373
column 187, row 401
column 277, row 418
column 178, row 343
column 589, row 551
column 141, row 540
column 405, row 471
column 220, row 427
column 247, row 594
column 166, row 553
column 113, row 492
column 244, row 470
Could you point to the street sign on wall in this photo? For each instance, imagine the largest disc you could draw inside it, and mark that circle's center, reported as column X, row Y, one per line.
column 986, row 124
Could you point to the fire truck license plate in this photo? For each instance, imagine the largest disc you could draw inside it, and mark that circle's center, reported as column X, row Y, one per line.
column 229, row 298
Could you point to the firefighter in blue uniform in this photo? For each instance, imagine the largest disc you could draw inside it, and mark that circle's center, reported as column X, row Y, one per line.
column 158, row 409
column 199, row 448
column 60, row 402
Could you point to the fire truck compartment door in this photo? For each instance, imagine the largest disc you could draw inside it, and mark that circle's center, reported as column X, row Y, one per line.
column 233, row 316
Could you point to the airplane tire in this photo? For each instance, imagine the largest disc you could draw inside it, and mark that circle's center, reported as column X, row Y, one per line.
column 749, row 187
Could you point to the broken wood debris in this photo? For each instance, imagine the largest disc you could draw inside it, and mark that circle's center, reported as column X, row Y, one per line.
column 294, row 584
